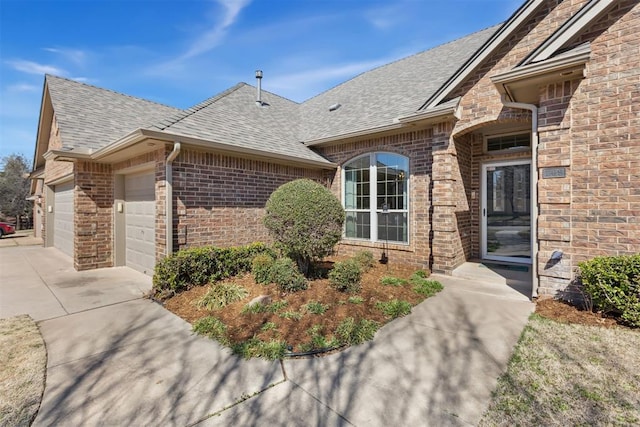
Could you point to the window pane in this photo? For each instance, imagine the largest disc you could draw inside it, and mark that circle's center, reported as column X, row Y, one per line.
column 392, row 175
column 356, row 186
column 361, row 163
column 392, row 227
column 358, row 225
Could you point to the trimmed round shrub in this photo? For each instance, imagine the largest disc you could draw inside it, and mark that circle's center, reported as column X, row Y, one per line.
column 284, row 273
column 261, row 268
column 305, row 219
column 345, row 276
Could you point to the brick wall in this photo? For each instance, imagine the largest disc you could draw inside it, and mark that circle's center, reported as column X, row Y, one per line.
column 93, row 246
column 417, row 146
column 592, row 127
column 220, row 199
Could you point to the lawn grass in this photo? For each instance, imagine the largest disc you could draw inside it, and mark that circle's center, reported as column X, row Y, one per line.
column 23, row 360
column 566, row 374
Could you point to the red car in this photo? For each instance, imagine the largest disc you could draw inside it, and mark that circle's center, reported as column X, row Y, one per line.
column 6, row 229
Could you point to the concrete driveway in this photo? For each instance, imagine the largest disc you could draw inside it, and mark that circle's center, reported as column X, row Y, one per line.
column 117, row 359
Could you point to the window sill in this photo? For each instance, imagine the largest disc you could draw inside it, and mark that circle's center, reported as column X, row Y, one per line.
column 406, row 247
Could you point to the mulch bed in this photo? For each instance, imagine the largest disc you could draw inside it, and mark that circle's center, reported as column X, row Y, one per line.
column 564, row 312
column 294, row 332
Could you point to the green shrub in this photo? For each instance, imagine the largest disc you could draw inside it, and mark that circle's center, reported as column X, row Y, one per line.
column 261, row 268
column 220, row 295
column 269, row 326
column 305, row 219
column 392, row 281
column 198, row 266
column 423, row 286
column 284, row 273
column 291, row 315
column 213, row 328
column 264, row 308
column 420, row 274
column 345, row 276
column 350, row 332
column 316, row 307
column 613, row 285
column 254, row 347
column 394, row 308
column 356, row 300
column 319, row 340
column 365, row 260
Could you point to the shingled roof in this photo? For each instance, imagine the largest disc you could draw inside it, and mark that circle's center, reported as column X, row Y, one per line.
column 375, row 98
column 233, row 118
column 91, row 117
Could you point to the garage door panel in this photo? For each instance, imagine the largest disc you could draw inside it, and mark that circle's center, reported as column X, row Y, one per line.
column 140, row 222
column 63, row 230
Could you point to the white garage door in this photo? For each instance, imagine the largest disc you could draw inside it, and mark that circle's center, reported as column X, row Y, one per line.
column 140, row 218
column 63, row 218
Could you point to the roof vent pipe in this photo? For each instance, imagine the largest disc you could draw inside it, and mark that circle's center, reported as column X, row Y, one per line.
column 259, row 85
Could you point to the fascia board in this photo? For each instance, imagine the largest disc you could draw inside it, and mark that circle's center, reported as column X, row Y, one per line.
column 356, row 134
column 576, row 58
column 567, row 31
column 520, row 16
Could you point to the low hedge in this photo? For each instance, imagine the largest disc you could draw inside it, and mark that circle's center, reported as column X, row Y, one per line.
column 613, row 285
column 198, row 266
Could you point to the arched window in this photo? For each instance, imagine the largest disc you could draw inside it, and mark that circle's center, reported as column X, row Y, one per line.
column 376, row 197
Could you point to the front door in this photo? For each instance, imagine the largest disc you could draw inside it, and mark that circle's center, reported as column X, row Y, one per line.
column 506, row 211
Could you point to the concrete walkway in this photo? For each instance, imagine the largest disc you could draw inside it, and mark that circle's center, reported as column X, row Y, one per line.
column 117, row 359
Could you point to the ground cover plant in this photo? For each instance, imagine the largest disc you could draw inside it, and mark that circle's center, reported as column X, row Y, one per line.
column 566, row 373
column 336, row 306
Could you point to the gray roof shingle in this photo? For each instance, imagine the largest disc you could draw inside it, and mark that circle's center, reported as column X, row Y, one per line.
column 376, row 97
column 233, row 118
column 91, row 117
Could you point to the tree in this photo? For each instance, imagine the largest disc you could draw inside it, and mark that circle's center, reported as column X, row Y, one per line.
column 305, row 219
column 14, row 187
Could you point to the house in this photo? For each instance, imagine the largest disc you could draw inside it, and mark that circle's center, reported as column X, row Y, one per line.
column 517, row 144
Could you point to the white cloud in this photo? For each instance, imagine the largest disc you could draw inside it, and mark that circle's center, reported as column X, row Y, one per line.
column 212, row 38
column 31, row 67
column 23, row 87
column 303, row 84
column 384, row 18
column 78, row 57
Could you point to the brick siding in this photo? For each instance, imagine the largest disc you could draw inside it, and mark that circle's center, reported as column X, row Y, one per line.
column 220, row 199
column 417, row 146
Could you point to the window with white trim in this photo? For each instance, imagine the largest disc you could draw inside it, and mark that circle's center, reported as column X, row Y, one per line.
column 371, row 183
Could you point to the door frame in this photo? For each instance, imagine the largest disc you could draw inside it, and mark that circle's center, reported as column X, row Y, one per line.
column 483, row 210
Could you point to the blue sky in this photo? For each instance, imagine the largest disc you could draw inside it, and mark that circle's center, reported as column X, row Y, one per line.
column 181, row 52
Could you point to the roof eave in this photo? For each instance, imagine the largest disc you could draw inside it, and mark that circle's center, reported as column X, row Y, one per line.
column 563, row 67
column 357, row 134
column 66, row 155
column 433, row 115
column 519, row 17
column 232, row 149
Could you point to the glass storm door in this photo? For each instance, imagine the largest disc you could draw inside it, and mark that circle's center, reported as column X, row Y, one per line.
column 506, row 211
